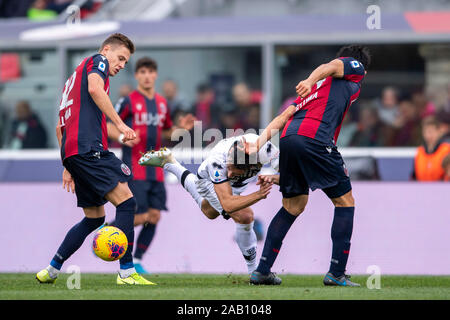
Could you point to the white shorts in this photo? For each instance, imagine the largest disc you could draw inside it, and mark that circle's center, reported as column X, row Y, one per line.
column 206, row 189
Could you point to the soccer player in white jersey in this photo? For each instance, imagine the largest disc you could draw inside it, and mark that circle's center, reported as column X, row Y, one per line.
column 219, row 182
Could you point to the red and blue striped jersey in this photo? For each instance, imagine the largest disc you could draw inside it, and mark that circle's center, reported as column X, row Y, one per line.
column 83, row 124
column 147, row 117
column 320, row 114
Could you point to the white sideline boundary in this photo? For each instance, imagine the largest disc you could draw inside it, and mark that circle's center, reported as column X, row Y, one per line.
column 197, row 153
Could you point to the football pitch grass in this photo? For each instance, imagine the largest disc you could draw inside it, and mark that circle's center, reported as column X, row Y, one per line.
column 24, row 286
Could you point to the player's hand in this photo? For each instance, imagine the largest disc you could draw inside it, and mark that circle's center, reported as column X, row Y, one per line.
column 187, row 122
column 268, row 179
column 264, row 190
column 134, row 142
column 249, row 147
column 303, row 88
column 68, row 183
column 128, row 133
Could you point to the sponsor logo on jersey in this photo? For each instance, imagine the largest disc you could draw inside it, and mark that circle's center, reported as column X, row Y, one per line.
column 305, row 101
column 125, row 169
column 149, row 119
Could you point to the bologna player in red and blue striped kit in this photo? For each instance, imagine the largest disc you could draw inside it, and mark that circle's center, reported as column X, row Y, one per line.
column 146, row 112
column 309, row 159
column 90, row 170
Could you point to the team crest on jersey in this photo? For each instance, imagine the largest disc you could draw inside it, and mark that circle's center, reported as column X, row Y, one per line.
column 139, row 107
column 125, row 169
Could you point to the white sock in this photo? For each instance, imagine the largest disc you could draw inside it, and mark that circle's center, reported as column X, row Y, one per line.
column 246, row 240
column 52, row 272
column 189, row 182
column 125, row 273
column 191, row 187
column 176, row 168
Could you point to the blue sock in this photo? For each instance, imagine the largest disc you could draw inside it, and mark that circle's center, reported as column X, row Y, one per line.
column 74, row 239
column 276, row 232
column 125, row 222
column 341, row 233
column 144, row 239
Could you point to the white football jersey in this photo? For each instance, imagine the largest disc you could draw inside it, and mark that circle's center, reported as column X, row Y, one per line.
column 214, row 167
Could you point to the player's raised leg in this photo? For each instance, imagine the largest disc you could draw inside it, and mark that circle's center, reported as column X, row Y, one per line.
column 278, row 228
column 165, row 159
column 94, row 218
column 122, row 198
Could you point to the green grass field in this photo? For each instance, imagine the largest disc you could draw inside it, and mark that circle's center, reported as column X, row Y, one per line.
column 221, row 287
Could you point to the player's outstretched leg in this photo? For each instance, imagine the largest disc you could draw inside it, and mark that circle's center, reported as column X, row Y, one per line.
column 125, row 222
column 165, row 159
column 71, row 243
column 341, row 232
column 276, row 232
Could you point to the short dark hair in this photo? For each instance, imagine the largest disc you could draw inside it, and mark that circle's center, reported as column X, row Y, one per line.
column 431, row 121
column 146, row 62
column 119, row 39
column 358, row 52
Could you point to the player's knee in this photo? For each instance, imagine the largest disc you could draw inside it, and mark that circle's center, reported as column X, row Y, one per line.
column 208, row 211
column 295, row 205
column 346, row 200
column 210, row 214
column 294, row 208
column 246, row 217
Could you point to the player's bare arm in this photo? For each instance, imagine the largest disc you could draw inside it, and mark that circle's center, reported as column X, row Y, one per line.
column 68, row 183
column 334, row 68
column 274, row 126
column 101, row 99
column 231, row 203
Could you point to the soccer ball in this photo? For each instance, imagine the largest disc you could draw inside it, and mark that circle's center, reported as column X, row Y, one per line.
column 110, row 243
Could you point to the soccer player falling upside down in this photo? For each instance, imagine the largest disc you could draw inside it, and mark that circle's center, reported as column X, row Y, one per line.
column 90, row 170
column 309, row 159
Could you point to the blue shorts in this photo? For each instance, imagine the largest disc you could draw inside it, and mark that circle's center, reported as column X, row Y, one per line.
column 148, row 195
column 306, row 164
column 95, row 174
